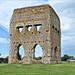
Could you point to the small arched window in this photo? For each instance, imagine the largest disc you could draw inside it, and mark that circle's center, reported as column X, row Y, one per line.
column 20, row 28
column 28, row 27
column 38, row 26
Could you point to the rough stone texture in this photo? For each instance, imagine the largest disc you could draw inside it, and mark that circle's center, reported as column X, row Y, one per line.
column 48, row 36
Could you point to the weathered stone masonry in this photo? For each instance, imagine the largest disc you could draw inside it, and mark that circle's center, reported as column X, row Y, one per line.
column 48, row 36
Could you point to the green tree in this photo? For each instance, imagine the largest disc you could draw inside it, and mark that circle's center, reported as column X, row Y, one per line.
column 1, row 60
column 70, row 57
column 0, row 54
column 65, row 57
column 38, row 58
column 6, row 60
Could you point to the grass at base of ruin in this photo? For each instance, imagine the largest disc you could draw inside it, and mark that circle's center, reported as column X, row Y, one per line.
column 64, row 68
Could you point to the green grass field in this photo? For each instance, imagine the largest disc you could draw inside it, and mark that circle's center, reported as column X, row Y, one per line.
column 64, row 68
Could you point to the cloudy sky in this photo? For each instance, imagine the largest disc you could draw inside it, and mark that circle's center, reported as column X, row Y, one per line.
column 65, row 10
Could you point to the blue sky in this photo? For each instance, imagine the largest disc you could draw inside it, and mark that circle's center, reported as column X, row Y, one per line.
column 65, row 10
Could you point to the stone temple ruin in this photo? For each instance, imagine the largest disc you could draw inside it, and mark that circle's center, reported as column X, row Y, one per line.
column 48, row 36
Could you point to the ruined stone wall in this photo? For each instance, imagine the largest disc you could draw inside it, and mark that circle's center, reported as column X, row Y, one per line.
column 55, row 37
column 46, row 37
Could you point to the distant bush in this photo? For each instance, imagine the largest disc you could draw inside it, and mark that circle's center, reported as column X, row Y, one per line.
column 4, row 60
column 38, row 58
column 1, row 60
column 65, row 57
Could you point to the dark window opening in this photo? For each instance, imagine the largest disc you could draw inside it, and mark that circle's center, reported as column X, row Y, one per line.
column 39, row 32
column 10, row 34
column 58, row 31
column 32, row 32
column 41, row 9
column 43, row 41
column 28, row 27
column 13, row 42
column 20, row 28
column 38, row 26
column 53, row 27
column 47, row 30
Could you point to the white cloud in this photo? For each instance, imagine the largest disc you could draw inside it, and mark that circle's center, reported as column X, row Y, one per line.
column 69, row 12
column 4, row 40
column 53, row 2
column 66, row 15
column 57, row 2
column 66, row 23
column 3, row 55
column 7, row 8
column 67, row 38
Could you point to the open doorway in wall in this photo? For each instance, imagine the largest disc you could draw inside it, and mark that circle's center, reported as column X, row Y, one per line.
column 21, row 52
column 38, row 52
column 56, row 54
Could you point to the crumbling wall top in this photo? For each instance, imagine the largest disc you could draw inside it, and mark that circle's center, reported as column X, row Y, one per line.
column 39, row 8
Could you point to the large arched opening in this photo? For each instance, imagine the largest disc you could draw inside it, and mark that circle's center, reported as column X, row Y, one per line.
column 21, row 52
column 38, row 52
column 56, row 54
